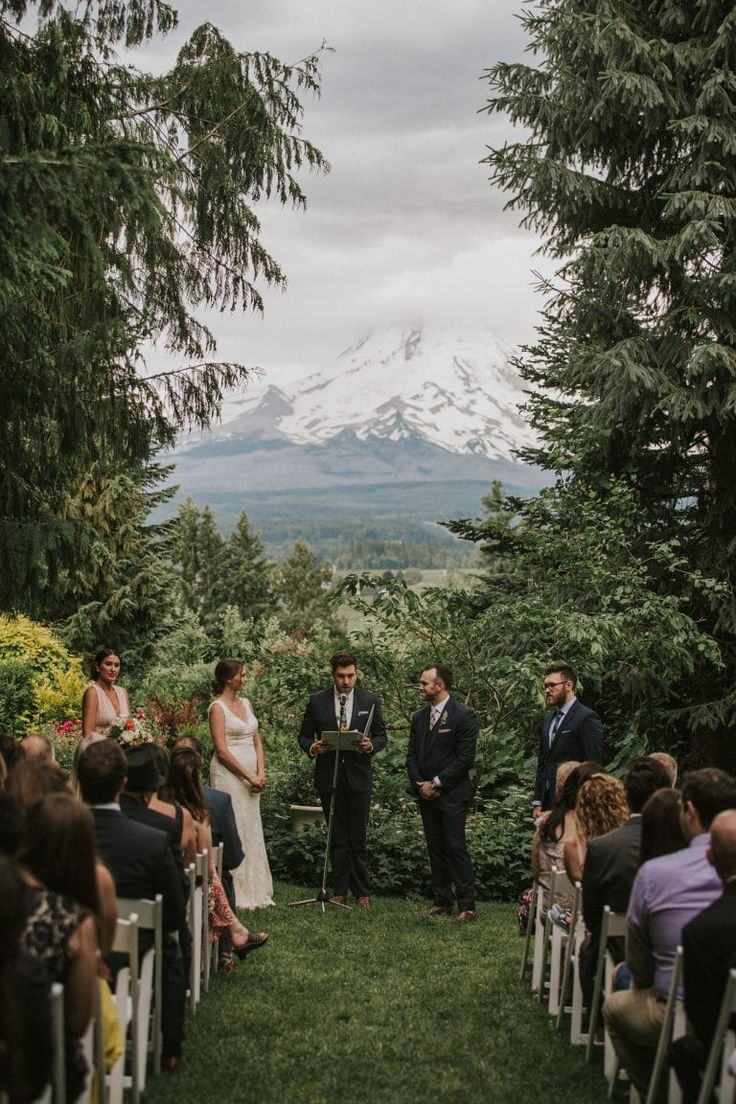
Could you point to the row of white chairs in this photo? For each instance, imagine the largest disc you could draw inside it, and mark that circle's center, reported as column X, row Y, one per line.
column 137, row 996
column 556, row 976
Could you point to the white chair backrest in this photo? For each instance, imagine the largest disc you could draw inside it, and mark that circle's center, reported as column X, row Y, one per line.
column 150, row 918
column 58, row 1075
column 126, row 1003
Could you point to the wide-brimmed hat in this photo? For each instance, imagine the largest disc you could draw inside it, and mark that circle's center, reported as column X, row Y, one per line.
column 143, row 773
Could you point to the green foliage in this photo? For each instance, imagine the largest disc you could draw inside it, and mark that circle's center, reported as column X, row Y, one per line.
column 128, row 212
column 303, row 597
column 16, row 694
column 628, row 170
column 39, row 679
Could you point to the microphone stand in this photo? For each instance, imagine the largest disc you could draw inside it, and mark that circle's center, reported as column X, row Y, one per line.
column 323, row 898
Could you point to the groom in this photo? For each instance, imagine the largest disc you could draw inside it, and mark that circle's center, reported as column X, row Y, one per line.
column 345, row 707
column 441, row 752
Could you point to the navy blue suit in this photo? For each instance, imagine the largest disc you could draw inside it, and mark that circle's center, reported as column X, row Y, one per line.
column 579, row 737
column 446, row 752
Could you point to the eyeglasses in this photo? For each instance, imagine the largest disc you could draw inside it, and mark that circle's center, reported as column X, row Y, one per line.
column 551, row 685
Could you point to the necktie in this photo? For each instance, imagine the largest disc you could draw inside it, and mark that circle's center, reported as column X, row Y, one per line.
column 343, row 714
column 436, row 714
column 556, row 722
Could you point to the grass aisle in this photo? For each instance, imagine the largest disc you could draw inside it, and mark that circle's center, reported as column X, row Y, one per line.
column 380, row 1006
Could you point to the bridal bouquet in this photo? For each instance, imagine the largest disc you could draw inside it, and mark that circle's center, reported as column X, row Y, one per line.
column 131, row 731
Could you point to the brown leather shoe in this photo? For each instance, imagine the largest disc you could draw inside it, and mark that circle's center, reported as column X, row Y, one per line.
column 440, row 910
column 466, row 914
column 339, row 899
column 362, row 902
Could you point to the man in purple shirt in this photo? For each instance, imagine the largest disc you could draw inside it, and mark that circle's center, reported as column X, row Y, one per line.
column 667, row 892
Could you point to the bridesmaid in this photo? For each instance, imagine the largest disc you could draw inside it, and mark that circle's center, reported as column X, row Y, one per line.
column 103, row 701
column 238, row 768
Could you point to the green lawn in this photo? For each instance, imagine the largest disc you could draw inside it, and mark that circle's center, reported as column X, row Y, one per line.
column 381, row 1006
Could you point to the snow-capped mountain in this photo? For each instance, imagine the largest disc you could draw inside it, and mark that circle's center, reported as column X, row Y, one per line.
column 457, row 392
column 406, row 422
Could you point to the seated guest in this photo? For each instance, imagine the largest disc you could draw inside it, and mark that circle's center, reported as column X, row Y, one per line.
column 600, row 807
column 33, row 779
column 661, row 827
column 556, row 826
column 668, row 762
column 25, row 1022
column 667, row 892
column 184, row 786
column 36, row 746
column 182, row 816
column 709, row 945
column 224, row 831
column 57, row 864
column 141, row 783
column 611, row 862
column 141, row 863
column 10, row 752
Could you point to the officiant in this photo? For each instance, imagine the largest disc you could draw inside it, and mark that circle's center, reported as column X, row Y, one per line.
column 345, row 707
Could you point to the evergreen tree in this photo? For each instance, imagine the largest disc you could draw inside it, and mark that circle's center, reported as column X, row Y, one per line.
column 127, row 202
column 629, row 172
column 245, row 575
column 303, row 597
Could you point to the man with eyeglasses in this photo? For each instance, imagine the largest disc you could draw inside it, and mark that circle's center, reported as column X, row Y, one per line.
column 568, row 731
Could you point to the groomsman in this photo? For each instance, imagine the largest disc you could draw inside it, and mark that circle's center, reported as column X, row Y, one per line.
column 345, row 707
column 441, row 752
column 569, row 731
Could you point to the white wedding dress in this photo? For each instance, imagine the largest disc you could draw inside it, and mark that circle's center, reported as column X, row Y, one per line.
column 253, row 882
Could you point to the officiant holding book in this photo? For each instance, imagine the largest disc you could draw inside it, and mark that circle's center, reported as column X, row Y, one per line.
column 345, row 707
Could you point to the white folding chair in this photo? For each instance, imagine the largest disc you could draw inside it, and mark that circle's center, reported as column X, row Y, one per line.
column 540, row 946
column 150, row 918
column 574, row 939
column 612, row 925
column 203, row 874
column 219, row 854
column 720, row 1050
column 556, row 938
column 126, row 1005
column 665, row 1038
column 195, row 932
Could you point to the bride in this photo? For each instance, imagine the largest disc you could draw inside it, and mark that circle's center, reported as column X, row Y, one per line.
column 238, row 769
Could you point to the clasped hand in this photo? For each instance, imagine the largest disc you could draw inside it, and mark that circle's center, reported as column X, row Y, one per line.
column 257, row 782
column 428, row 790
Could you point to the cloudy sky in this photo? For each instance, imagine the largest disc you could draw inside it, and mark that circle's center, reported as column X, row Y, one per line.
column 405, row 228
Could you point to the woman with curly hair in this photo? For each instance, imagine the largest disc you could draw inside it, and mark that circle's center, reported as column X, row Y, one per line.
column 601, row 806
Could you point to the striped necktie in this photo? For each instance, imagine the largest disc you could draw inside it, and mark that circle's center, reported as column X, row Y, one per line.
column 556, row 722
column 343, row 714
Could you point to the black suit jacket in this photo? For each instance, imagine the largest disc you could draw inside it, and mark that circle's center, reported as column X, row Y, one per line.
column 579, row 737
column 224, row 828
column 446, row 752
column 140, row 861
column 611, row 863
column 355, row 768
column 709, row 945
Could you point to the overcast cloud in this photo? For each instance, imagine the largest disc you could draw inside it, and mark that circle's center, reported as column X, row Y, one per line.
column 406, row 227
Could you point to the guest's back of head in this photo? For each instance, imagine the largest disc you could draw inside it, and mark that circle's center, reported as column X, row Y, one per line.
column 10, row 751
column 189, row 740
column 723, row 844
column 668, row 762
column 566, row 798
column 101, row 772
column 661, row 829
column 601, row 806
column 33, row 779
column 58, row 848
column 184, row 783
column 36, row 745
column 708, row 792
column 643, row 777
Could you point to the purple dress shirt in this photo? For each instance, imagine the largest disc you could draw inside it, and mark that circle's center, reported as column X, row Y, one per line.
column 667, row 892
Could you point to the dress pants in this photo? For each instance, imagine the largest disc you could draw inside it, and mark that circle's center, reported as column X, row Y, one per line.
column 348, row 852
column 634, row 1019
column 449, row 861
